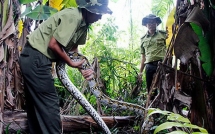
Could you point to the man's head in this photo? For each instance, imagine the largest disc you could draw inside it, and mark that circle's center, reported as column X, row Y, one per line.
column 151, row 21
column 95, row 9
column 151, row 18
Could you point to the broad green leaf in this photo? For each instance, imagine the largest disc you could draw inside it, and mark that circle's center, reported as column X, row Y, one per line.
column 205, row 50
column 27, row 11
column 195, row 127
column 26, row 1
column 167, row 125
column 158, row 111
column 45, row 1
column 199, row 133
column 161, row 7
column 177, row 117
column 151, row 110
column 69, row 3
column 177, row 132
column 41, row 12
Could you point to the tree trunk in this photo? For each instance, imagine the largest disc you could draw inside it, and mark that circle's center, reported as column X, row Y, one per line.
column 17, row 121
column 5, row 32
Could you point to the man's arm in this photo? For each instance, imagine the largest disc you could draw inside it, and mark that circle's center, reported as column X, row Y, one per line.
column 142, row 65
column 57, row 49
column 87, row 72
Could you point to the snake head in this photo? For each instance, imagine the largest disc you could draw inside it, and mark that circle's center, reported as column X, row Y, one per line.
column 75, row 56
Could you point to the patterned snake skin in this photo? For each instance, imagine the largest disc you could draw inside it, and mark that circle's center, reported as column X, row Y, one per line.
column 94, row 88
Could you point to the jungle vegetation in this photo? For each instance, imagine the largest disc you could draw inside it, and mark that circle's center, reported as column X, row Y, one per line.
column 116, row 52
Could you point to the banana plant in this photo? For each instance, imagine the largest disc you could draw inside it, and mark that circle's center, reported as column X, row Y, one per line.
column 181, row 124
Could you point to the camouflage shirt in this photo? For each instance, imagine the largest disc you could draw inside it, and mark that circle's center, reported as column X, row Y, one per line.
column 154, row 47
column 66, row 26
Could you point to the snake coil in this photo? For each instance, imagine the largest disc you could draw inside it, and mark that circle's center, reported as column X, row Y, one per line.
column 94, row 88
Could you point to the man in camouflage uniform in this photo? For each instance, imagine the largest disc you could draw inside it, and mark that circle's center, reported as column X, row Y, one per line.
column 50, row 42
column 153, row 48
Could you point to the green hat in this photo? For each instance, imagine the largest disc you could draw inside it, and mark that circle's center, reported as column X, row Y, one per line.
column 95, row 6
column 150, row 17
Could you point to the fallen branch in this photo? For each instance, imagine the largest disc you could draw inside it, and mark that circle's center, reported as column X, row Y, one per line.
column 17, row 121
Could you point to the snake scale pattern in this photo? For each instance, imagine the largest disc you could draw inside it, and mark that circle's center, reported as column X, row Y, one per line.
column 94, row 88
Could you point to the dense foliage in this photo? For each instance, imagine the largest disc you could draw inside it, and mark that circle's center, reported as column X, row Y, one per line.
column 118, row 66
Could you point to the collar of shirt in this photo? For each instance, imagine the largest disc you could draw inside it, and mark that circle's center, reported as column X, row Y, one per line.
column 147, row 34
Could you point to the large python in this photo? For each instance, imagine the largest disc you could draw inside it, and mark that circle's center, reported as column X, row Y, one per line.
column 94, row 88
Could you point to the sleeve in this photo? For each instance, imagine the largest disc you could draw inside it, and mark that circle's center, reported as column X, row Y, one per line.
column 142, row 50
column 67, row 25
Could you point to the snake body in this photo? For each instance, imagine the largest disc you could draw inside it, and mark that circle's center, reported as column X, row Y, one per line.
column 94, row 88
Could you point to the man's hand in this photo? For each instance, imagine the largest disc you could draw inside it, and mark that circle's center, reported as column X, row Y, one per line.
column 87, row 74
column 76, row 64
column 139, row 76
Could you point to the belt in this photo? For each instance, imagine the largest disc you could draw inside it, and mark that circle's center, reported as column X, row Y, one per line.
column 154, row 62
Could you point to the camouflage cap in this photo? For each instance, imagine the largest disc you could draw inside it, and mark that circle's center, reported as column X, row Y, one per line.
column 95, row 6
column 150, row 17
